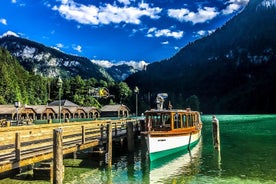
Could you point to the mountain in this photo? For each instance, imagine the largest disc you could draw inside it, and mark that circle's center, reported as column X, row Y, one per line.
column 50, row 62
column 17, row 84
column 121, row 72
column 230, row 71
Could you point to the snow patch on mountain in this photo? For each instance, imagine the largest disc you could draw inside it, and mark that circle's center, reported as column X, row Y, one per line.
column 28, row 52
column 9, row 33
column 268, row 3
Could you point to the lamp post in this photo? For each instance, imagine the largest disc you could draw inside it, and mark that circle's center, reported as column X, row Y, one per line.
column 16, row 105
column 136, row 91
column 59, row 84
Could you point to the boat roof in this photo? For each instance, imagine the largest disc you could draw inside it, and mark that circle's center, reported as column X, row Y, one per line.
column 188, row 110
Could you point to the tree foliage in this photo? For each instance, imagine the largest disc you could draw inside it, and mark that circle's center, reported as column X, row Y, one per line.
column 16, row 84
column 230, row 71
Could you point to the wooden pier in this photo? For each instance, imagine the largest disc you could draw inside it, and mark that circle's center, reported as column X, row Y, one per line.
column 25, row 145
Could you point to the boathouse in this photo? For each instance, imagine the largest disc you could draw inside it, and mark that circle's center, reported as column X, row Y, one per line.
column 50, row 111
column 118, row 110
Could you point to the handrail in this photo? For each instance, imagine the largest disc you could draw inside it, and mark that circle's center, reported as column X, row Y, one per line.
column 24, row 145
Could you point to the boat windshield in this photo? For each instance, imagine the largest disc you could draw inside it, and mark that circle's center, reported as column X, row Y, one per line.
column 159, row 121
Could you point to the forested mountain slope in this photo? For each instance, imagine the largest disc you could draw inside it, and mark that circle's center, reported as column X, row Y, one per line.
column 232, row 70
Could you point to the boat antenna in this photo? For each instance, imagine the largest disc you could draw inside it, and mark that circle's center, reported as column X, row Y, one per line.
column 160, row 100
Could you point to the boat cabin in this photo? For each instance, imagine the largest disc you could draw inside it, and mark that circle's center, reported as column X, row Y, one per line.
column 169, row 120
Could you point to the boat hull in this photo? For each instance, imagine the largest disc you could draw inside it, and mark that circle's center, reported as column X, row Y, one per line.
column 164, row 145
column 170, row 166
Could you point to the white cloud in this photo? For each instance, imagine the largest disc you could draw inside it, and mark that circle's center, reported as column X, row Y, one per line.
column 154, row 32
column 165, row 43
column 152, row 29
column 77, row 48
column 103, row 63
column 3, row 21
column 230, row 9
column 10, row 33
column 13, row 1
column 202, row 33
column 178, row 14
column 59, row 45
column 234, row 5
column 125, row 2
column 139, row 65
column 106, row 14
column 185, row 15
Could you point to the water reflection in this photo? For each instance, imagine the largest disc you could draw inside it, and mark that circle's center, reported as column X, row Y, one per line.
column 168, row 168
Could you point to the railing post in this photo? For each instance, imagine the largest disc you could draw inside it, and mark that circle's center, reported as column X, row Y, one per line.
column 116, row 131
column 130, row 138
column 109, row 143
column 102, row 129
column 58, row 168
column 17, row 147
column 18, row 150
column 83, row 134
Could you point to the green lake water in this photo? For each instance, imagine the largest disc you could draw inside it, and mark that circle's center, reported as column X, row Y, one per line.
column 247, row 155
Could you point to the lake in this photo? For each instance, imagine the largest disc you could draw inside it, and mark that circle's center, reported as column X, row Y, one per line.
column 247, row 155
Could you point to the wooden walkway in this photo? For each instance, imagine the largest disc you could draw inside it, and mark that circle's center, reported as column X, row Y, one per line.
column 25, row 145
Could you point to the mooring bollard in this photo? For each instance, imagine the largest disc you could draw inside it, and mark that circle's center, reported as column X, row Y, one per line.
column 58, row 168
column 216, row 137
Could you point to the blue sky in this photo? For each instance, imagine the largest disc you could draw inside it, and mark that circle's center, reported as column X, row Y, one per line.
column 116, row 30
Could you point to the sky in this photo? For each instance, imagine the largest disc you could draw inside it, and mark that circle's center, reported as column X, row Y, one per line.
column 115, row 31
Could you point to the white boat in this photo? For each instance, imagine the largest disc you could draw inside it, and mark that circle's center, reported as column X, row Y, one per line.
column 170, row 130
column 165, row 170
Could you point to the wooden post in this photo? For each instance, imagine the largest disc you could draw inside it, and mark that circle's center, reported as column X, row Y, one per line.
column 109, row 176
column 75, row 156
column 216, row 137
column 83, row 134
column 116, row 131
column 58, row 168
column 137, row 132
column 109, row 143
column 102, row 134
column 142, row 125
column 17, row 147
column 130, row 138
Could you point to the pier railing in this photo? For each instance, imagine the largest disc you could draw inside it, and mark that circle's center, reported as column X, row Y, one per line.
column 25, row 145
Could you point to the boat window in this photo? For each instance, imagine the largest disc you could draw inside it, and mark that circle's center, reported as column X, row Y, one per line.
column 155, row 120
column 184, row 121
column 160, row 121
column 177, row 122
column 196, row 118
column 190, row 120
column 166, row 120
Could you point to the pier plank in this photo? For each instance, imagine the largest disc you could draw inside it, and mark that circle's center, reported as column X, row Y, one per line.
column 35, row 142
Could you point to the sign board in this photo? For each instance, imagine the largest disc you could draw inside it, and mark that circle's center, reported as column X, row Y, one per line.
column 99, row 92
